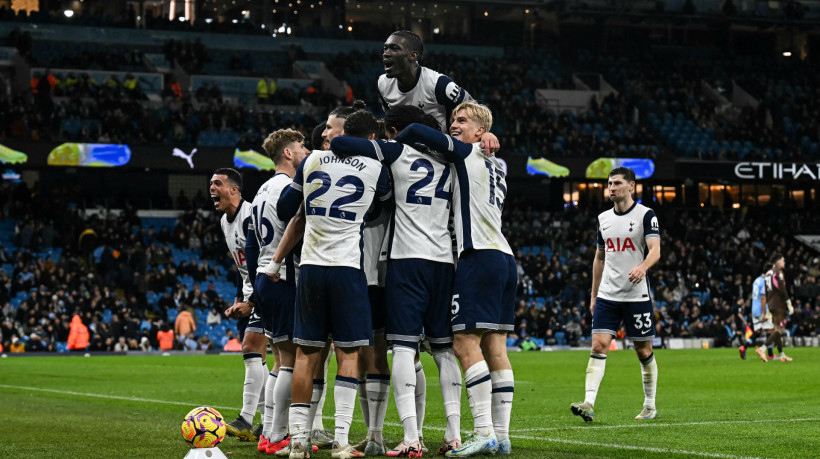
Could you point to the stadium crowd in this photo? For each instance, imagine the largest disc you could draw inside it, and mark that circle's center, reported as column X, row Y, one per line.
column 122, row 276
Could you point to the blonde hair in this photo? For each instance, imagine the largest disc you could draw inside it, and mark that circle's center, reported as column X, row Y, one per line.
column 276, row 142
column 479, row 113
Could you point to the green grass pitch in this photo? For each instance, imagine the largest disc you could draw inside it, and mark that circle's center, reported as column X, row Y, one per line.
column 710, row 404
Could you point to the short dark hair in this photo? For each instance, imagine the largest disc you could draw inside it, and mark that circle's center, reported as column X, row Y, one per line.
column 775, row 256
column 401, row 116
column 234, row 177
column 344, row 111
column 316, row 139
column 413, row 40
column 361, row 124
column 629, row 174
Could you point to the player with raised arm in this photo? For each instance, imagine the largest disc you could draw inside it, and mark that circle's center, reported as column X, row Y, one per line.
column 483, row 301
column 277, row 300
column 419, row 272
column 332, row 287
column 628, row 244
column 225, row 190
column 779, row 304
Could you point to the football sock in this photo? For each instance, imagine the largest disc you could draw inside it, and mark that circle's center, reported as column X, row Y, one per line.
column 260, row 406
column 378, row 389
column 344, row 394
column 770, row 345
column 281, row 396
column 595, row 373
column 503, row 388
column 254, row 382
column 404, row 390
column 421, row 396
column 318, row 422
column 479, row 395
column 315, row 398
column 778, row 341
column 267, row 416
column 298, row 424
column 649, row 371
column 449, row 377
column 363, row 403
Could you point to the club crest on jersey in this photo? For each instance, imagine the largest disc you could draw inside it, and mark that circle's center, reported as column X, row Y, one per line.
column 631, row 225
column 615, row 245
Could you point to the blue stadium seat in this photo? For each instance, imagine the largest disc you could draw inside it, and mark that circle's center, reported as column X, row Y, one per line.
column 561, row 338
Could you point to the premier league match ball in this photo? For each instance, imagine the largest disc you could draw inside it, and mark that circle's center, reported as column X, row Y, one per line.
column 203, row 427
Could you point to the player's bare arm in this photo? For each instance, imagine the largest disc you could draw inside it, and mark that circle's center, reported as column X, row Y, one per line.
column 764, row 306
column 293, row 234
column 638, row 273
column 239, row 309
column 597, row 274
column 490, row 143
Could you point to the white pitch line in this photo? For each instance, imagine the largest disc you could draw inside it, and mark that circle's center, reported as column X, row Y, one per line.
column 629, row 447
column 394, row 424
column 668, row 424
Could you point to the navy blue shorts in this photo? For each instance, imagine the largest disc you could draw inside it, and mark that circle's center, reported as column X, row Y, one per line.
column 637, row 316
column 484, row 291
column 251, row 324
column 419, row 294
column 332, row 299
column 377, row 308
column 278, row 305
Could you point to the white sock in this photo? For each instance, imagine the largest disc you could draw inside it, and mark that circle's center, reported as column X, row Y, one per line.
column 404, row 390
column 479, row 395
column 318, row 423
column 449, row 378
column 503, row 389
column 344, row 393
column 298, row 425
column 595, row 373
column 254, row 382
column 282, row 400
column 267, row 416
column 378, row 389
column 260, row 406
column 421, row 396
column 316, row 397
column 364, row 404
column 649, row 371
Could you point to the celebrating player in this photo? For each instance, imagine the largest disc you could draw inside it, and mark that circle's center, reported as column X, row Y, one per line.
column 620, row 290
column 483, row 301
column 332, row 287
column 225, row 190
column 419, row 273
column 276, row 299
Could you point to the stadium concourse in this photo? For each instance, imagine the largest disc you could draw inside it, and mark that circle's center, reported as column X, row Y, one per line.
column 130, row 277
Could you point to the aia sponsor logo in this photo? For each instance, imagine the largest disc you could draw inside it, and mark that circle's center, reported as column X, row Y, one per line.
column 617, row 245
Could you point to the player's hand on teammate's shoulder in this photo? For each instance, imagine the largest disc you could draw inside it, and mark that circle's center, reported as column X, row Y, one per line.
column 489, row 142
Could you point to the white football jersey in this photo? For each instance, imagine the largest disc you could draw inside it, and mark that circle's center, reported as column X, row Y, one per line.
column 269, row 228
column 235, row 231
column 434, row 93
column 479, row 188
column 421, row 186
column 375, row 247
column 623, row 237
column 338, row 193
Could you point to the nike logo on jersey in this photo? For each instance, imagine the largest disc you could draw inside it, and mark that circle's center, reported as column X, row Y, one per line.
column 645, row 332
column 608, row 227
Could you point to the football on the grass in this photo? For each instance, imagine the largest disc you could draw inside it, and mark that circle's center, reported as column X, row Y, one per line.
column 203, row 427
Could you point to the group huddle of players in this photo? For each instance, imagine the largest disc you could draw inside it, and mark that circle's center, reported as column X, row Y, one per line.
column 350, row 246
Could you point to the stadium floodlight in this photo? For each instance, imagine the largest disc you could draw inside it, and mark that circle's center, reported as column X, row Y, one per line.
column 68, row 13
column 208, row 20
column 787, row 54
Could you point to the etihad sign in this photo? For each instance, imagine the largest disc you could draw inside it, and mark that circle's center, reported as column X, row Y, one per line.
column 751, row 170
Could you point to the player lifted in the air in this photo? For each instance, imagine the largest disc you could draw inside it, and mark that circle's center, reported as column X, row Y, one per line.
column 628, row 244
